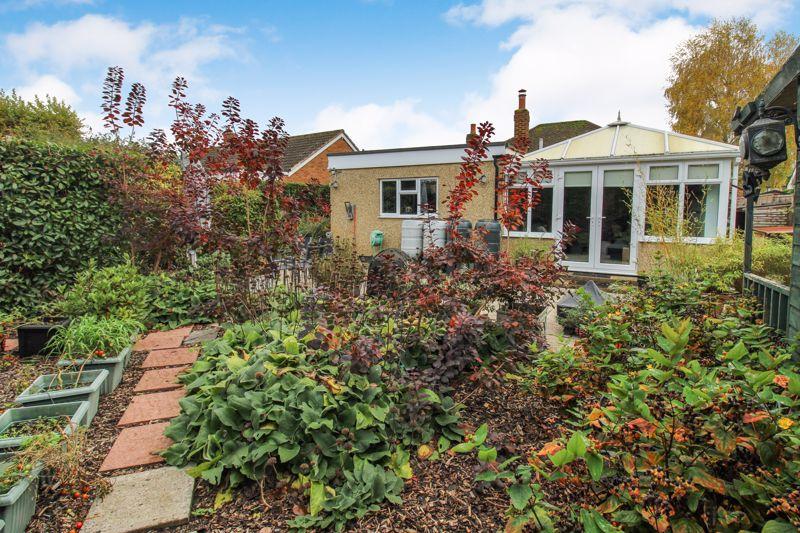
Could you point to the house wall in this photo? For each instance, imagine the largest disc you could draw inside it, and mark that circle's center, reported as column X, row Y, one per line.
column 318, row 167
column 362, row 188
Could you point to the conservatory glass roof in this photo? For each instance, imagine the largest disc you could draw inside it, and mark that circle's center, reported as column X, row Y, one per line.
column 625, row 140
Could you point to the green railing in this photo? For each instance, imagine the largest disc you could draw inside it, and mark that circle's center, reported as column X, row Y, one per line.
column 773, row 297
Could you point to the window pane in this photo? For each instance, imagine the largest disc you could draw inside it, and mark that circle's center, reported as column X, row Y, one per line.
column 408, row 204
column 615, row 226
column 408, row 185
column 703, row 172
column 577, row 208
column 428, row 190
column 542, row 213
column 663, row 173
column 700, row 210
column 389, row 197
column 661, row 211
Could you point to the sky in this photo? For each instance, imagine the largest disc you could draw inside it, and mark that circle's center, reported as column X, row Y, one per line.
column 392, row 73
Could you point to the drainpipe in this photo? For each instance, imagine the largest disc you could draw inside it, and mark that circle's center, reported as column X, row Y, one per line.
column 495, row 158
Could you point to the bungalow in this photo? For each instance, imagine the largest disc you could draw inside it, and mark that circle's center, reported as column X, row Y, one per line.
column 305, row 159
column 602, row 179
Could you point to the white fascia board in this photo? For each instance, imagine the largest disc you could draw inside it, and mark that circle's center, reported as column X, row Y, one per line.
column 404, row 158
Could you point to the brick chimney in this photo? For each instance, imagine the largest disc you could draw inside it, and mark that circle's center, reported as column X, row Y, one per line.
column 522, row 122
column 473, row 132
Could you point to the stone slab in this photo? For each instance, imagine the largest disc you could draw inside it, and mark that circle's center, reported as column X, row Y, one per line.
column 144, row 501
column 12, row 345
column 163, row 339
column 160, row 379
column 150, row 407
column 171, row 357
column 200, row 336
column 137, row 446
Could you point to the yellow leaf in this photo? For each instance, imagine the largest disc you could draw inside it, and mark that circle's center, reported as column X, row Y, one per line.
column 785, row 423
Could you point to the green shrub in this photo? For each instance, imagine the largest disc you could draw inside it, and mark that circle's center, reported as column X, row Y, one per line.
column 90, row 337
column 260, row 402
column 118, row 291
column 54, row 216
column 685, row 405
column 182, row 298
column 45, row 120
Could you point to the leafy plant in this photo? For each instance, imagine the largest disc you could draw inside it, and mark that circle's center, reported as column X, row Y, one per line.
column 92, row 337
column 116, row 291
column 679, row 444
column 261, row 404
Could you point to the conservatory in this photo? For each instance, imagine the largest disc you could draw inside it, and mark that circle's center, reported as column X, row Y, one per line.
column 604, row 182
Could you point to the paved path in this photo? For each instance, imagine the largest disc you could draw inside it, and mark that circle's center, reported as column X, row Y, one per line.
column 155, row 498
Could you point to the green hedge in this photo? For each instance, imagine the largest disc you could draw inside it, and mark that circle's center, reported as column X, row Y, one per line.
column 54, row 216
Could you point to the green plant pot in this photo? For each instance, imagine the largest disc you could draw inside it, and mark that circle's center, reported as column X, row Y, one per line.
column 114, row 365
column 18, row 504
column 85, row 386
column 76, row 411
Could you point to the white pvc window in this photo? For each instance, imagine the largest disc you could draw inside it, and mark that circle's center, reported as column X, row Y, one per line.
column 683, row 200
column 538, row 220
column 408, row 197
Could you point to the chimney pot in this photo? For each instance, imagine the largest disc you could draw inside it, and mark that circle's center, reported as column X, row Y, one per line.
column 522, row 93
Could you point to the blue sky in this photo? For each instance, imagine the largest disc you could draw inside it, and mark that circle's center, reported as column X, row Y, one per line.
column 391, row 72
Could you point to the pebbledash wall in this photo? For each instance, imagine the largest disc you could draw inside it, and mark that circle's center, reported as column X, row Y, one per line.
column 361, row 186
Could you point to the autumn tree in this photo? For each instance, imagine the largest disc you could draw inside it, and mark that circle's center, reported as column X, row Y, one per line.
column 725, row 66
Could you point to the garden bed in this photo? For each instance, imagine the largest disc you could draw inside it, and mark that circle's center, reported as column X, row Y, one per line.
column 442, row 495
column 58, row 510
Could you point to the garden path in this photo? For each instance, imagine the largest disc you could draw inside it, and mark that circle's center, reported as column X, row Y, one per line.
column 151, row 498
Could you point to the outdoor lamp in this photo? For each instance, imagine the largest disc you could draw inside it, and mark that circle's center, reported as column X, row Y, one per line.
column 763, row 143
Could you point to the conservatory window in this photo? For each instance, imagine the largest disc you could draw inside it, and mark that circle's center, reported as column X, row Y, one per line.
column 683, row 203
column 408, row 197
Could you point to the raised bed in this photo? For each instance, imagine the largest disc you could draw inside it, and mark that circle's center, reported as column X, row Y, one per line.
column 73, row 413
column 75, row 386
column 115, row 366
column 33, row 337
column 18, row 504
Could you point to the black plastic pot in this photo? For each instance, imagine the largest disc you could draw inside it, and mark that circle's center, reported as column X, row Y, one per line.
column 33, row 338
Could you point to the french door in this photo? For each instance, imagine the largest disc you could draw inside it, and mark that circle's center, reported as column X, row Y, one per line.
column 599, row 203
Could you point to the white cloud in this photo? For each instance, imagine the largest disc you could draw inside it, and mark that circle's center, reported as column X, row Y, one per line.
column 49, row 85
column 578, row 59
column 576, row 64
column 496, row 12
column 79, row 43
column 79, row 50
column 399, row 123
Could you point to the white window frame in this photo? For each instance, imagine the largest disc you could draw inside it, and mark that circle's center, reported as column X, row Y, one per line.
column 723, row 180
column 550, row 184
column 399, row 192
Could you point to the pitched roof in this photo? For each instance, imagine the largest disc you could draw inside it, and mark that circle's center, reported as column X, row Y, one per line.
column 554, row 132
column 625, row 140
column 300, row 147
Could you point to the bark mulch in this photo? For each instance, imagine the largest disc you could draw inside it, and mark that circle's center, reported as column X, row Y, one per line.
column 442, row 496
column 17, row 373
